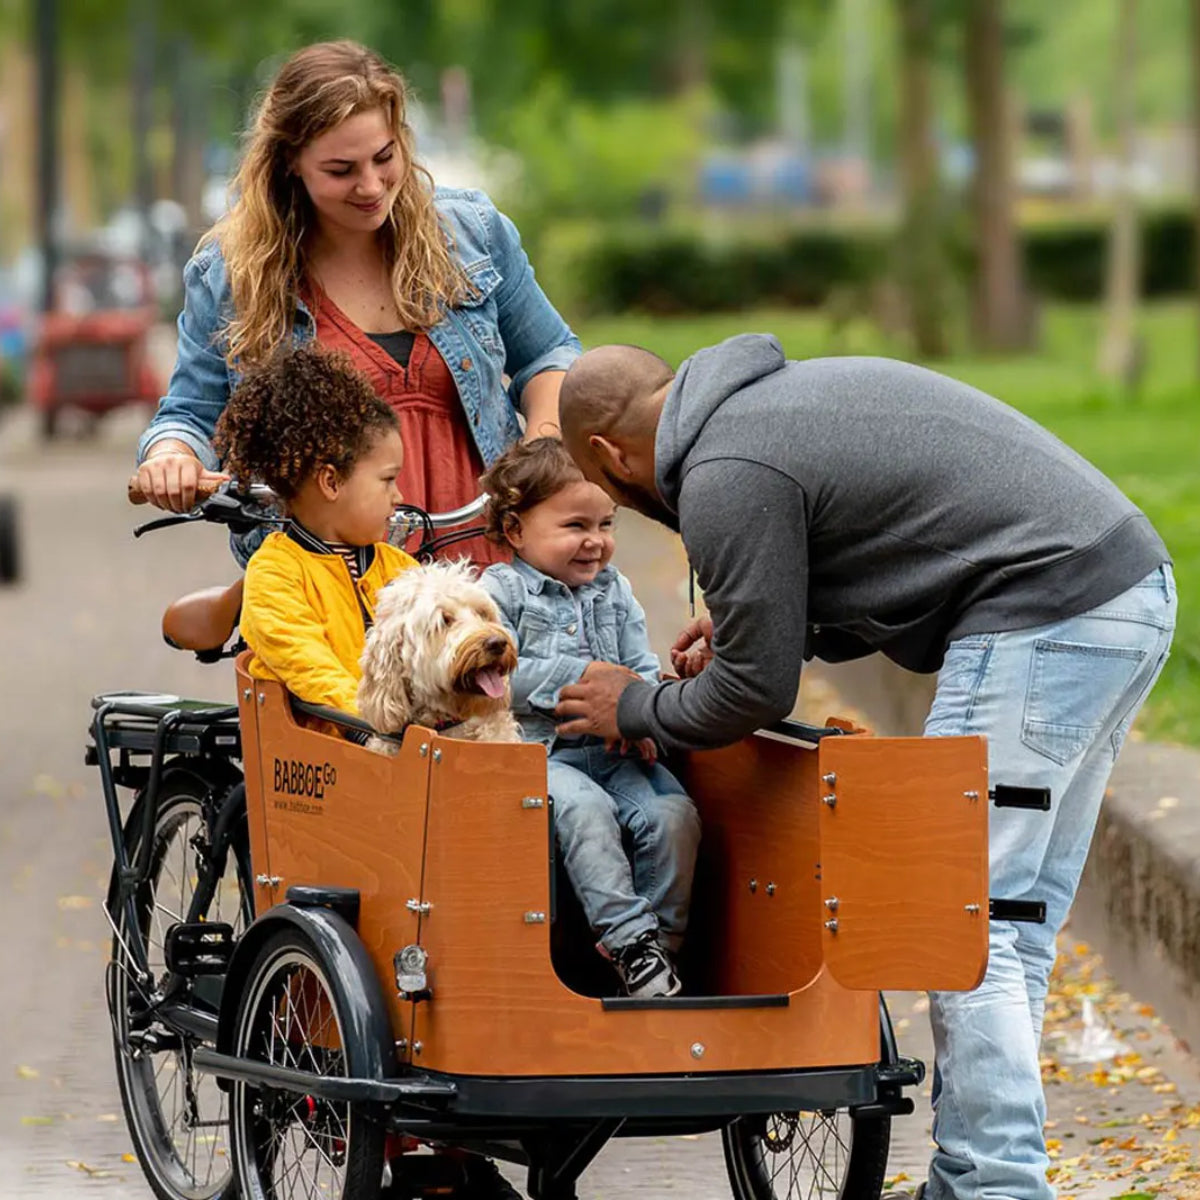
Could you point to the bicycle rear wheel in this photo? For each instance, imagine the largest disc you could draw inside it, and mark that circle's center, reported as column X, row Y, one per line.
column 177, row 1118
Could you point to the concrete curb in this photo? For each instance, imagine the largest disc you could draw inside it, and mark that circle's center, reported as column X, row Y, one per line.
column 1139, row 900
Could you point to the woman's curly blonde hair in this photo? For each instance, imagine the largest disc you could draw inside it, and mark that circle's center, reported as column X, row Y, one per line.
column 263, row 236
column 524, row 475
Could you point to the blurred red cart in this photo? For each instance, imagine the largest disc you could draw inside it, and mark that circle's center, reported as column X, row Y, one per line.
column 91, row 353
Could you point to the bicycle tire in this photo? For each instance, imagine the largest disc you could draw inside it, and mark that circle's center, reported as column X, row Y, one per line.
column 290, row 1014
column 10, row 544
column 170, row 1156
column 759, row 1156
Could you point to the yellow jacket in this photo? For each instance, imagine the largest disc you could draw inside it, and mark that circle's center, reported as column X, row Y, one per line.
column 302, row 618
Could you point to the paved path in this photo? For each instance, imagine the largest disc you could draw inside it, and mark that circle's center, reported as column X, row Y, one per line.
column 85, row 618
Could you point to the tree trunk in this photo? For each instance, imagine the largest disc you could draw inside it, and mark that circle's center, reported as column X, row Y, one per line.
column 49, row 181
column 999, row 312
column 189, row 127
column 1119, row 357
column 142, row 111
column 922, row 255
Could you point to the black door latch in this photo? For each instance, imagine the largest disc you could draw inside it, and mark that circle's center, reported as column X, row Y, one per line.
column 1031, row 911
column 1004, row 795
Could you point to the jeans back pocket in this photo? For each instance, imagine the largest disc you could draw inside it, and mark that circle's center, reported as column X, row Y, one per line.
column 1074, row 689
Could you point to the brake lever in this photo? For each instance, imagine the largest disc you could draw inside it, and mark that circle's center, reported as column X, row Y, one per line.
column 221, row 508
column 163, row 522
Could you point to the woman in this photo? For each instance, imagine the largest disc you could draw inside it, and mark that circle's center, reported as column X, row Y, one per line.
column 338, row 234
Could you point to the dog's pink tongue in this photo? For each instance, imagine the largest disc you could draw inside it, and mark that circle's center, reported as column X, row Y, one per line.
column 490, row 682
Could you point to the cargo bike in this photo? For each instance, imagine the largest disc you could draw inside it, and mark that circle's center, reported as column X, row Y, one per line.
column 326, row 961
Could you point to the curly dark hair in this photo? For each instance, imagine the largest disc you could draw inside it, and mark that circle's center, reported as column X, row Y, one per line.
column 302, row 409
column 524, row 475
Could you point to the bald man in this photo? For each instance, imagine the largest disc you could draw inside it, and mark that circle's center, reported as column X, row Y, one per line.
column 836, row 507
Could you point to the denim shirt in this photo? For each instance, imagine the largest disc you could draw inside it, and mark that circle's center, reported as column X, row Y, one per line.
column 540, row 612
column 508, row 327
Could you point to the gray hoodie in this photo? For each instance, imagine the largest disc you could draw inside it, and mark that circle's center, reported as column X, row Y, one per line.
column 838, row 506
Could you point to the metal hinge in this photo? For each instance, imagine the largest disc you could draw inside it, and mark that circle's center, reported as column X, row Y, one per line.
column 420, row 907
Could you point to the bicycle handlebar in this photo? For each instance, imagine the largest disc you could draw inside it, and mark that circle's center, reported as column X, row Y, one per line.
column 244, row 509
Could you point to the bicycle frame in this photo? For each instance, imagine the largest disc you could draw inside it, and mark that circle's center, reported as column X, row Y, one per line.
column 204, row 736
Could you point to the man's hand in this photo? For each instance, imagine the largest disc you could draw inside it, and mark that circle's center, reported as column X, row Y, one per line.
column 590, row 706
column 692, row 651
column 644, row 748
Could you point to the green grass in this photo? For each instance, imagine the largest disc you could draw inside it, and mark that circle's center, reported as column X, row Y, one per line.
column 1149, row 445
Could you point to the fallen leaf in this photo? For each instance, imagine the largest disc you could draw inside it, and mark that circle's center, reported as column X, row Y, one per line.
column 94, row 1172
column 73, row 902
column 24, row 1072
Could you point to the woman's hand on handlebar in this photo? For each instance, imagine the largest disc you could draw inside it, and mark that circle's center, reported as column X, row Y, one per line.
column 173, row 478
column 692, row 651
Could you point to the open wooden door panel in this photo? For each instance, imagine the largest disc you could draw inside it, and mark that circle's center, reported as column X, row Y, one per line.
column 904, row 868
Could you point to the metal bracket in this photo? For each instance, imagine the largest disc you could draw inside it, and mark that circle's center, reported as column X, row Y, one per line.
column 420, row 907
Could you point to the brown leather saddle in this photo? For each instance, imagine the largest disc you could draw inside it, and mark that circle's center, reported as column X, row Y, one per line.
column 203, row 621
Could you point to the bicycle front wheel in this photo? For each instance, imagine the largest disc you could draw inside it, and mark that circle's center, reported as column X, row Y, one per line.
column 795, row 1156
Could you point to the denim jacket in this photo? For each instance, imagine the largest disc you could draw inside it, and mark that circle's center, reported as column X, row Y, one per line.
column 508, row 328
column 540, row 613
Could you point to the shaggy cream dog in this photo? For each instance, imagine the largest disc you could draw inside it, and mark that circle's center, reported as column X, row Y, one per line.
column 437, row 655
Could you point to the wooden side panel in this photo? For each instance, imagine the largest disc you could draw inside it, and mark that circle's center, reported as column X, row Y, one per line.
column 336, row 814
column 487, row 882
column 498, row 1008
column 756, row 901
column 904, row 861
column 260, row 855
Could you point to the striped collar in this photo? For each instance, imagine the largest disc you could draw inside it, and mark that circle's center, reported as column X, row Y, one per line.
column 309, row 541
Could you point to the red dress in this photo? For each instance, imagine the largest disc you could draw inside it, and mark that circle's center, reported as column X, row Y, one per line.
column 442, row 464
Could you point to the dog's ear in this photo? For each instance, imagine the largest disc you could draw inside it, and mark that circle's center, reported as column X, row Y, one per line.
column 383, row 695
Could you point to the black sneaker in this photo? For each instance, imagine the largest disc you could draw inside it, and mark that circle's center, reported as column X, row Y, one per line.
column 645, row 968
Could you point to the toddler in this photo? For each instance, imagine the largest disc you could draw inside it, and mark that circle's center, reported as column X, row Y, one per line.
column 311, row 427
column 567, row 608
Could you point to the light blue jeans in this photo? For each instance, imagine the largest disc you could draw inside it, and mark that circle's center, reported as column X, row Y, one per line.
column 1055, row 704
column 598, row 796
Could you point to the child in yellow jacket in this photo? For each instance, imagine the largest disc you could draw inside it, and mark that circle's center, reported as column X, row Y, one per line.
column 311, row 427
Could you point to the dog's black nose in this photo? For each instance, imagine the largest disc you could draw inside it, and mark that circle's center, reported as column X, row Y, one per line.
column 496, row 644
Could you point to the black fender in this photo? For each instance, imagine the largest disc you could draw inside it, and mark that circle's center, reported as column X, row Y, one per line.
column 358, row 991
